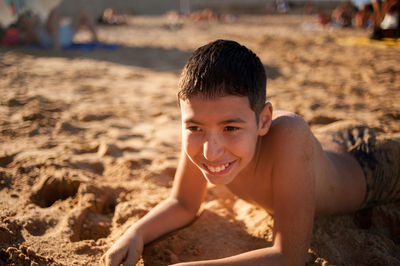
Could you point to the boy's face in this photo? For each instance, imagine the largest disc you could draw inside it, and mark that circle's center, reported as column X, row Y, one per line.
column 220, row 135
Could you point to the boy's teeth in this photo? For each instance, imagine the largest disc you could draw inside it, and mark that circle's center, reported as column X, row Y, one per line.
column 217, row 168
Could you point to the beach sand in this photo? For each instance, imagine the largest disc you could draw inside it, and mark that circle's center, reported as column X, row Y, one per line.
column 90, row 141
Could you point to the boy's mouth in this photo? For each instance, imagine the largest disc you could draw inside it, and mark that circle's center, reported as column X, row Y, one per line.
column 218, row 169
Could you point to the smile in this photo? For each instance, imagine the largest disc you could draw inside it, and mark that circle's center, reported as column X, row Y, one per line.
column 220, row 169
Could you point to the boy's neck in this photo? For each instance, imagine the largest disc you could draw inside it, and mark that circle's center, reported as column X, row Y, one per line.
column 250, row 170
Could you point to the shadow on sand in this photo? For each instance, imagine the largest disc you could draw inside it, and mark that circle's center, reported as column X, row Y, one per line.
column 158, row 59
column 210, row 236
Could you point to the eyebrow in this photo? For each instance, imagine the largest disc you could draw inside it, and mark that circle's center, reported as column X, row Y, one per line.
column 229, row 121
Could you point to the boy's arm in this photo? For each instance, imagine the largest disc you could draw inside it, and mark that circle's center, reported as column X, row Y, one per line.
column 293, row 187
column 293, row 204
column 178, row 210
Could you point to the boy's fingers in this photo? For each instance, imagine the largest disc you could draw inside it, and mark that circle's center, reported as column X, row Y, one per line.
column 114, row 258
column 131, row 259
column 105, row 260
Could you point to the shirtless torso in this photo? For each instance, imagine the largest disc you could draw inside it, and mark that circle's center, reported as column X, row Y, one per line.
column 338, row 179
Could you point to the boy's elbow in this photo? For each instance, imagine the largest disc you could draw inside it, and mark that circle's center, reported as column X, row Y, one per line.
column 294, row 261
column 186, row 210
column 192, row 212
column 290, row 258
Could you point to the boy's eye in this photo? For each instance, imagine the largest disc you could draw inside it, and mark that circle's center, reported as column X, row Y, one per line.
column 193, row 129
column 231, row 128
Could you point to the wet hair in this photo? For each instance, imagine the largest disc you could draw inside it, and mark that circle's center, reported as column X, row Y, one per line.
column 223, row 68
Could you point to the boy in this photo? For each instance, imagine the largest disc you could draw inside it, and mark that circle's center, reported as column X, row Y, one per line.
column 231, row 137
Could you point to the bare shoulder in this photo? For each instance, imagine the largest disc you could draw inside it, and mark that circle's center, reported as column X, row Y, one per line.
column 290, row 137
column 287, row 124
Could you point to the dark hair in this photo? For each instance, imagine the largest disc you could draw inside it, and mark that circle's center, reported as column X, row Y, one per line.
column 223, row 68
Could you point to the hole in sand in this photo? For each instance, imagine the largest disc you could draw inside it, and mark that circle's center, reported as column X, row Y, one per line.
column 37, row 227
column 5, row 180
column 4, row 257
column 95, row 219
column 6, row 160
column 95, row 226
column 52, row 189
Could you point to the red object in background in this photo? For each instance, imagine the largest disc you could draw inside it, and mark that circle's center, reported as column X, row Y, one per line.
column 324, row 19
column 13, row 9
column 11, row 37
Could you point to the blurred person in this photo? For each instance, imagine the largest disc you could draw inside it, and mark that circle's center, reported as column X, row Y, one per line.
column 282, row 6
column 2, row 31
column 386, row 19
column 278, row 6
column 110, row 16
column 343, row 14
column 363, row 17
column 51, row 33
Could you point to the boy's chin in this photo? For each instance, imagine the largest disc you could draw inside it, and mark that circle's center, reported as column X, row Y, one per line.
column 218, row 180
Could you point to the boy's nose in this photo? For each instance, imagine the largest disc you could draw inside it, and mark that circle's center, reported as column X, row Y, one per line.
column 212, row 149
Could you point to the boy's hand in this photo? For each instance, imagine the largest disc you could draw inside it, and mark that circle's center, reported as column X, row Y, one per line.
column 126, row 250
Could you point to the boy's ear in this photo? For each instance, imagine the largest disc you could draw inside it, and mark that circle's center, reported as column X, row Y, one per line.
column 265, row 119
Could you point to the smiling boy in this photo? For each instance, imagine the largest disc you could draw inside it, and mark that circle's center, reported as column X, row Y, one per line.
column 232, row 137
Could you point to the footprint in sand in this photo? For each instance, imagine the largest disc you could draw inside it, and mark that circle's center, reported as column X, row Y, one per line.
column 67, row 128
column 15, row 102
column 37, row 107
column 395, row 115
column 321, row 120
column 109, row 149
column 85, row 148
column 89, row 117
column 88, row 164
column 36, row 114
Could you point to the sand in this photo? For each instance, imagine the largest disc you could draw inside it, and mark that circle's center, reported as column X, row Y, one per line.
column 89, row 141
